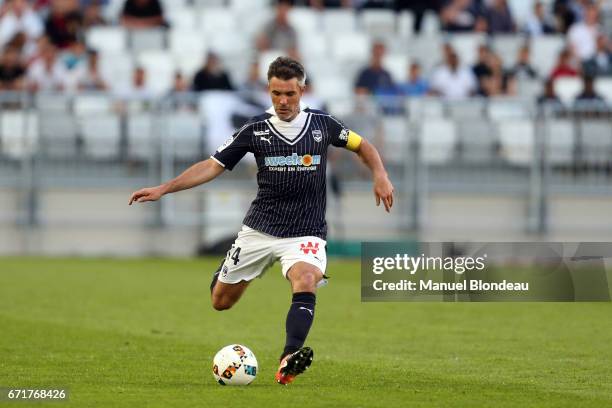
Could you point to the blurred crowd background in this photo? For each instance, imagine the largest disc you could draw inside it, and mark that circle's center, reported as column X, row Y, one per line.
column 492, row 116
column 449, row 48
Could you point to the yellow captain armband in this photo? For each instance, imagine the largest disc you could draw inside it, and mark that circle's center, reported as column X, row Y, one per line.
column 353, row 142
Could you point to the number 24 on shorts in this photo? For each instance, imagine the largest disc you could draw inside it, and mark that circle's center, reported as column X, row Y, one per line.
column 235, row 255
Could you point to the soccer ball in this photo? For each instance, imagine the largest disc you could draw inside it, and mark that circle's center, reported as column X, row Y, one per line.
column 234, row 365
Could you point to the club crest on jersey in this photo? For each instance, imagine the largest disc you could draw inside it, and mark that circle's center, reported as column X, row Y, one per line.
column 344, row 135
column 317, row 135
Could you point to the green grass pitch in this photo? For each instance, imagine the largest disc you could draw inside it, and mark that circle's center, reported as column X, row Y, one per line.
column 139, row 333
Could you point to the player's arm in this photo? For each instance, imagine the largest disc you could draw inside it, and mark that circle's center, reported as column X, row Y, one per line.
column 200, row 173
column 383, row 189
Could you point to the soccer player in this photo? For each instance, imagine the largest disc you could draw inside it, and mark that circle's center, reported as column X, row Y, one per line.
column 286, row 220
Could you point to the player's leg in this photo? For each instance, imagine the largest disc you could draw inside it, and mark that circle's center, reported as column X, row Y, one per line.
column 248, row 258
column 304, row 278
column 304, row 263
column 225, row 295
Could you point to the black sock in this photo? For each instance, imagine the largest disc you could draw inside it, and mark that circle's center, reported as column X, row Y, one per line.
column 299, row 320
column 216, row 277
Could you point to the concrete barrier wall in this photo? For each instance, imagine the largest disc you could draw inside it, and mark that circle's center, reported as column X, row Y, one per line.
column 90, row 222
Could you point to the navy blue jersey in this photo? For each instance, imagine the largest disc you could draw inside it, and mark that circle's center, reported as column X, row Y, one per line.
column 291, row 159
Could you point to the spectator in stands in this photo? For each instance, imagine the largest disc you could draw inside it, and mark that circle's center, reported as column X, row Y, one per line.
column 92, row 14
column 416, row 84
column 46, row 73
column 589, row 98
column 523, row 68
column 11, row 70
column 539, row 22
column 180, row 84
column 375, row 79
column 278, row 34
column 18, row 17
column 142, row 14
column 64, row 23
column 212, row 76
column 499, row 19
column 451, row 80
column 582, row 36
column 482, row 67
column 495, row 81
column 74, row 59
column 601, row 63
column 462, row 15
column 90, row 78
column 549, row 96
column 254, row 82
column 418, row 8
column 564, row 66
column 323, row 4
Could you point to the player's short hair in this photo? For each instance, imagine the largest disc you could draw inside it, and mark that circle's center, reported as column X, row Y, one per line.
column 287, row 68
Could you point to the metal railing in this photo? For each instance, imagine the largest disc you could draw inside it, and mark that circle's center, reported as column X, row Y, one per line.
column 477, row 146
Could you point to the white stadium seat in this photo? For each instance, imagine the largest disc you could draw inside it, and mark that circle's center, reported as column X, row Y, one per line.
column 466, row 46
column 405, row 24
column 147, row 40
column 249, row 5
column 545, row 51
column 85, row 104
column 396, row 139
column 101, row 136
column 502, row 108
column 567, row 88
column 467, row 109
column 160, row 69
column 529, row 88
column 217, row 19
column 333, row 87
column 182, row 18
column 313, row 46
column 116, row 69
column 229, row 43
column 335, row 20
column 186, row 41
column 107, row 39
column 508, row 47
column 141, row 138
column 596, row 140
column 185, row 131
column 168, row 5
column 397, row 65
column 378, row 21
column 188, row 63
column 560, row 141
column 427, row 50
column 478, row 140
column 18, row 133
column 58, row 135
column 265, row 59
column 603, row 86
column 305, row 19
column 517, row 141
column 419, row 108
column 350, row 47
column 431, row 24
column 438, row 139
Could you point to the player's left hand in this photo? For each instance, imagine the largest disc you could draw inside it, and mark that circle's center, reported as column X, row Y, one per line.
column 383, row 191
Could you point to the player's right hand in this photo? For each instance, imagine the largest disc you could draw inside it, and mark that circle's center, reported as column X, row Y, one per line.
column 146, row 194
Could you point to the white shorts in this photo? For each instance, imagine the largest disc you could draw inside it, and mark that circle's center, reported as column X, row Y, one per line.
column 254, row 252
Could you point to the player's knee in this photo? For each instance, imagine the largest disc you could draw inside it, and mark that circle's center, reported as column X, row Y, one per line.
column 307, row 281
column 221, row 303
